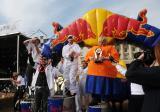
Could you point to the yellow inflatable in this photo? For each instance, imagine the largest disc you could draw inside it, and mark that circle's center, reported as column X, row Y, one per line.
column 96, row 18
column 87, row 28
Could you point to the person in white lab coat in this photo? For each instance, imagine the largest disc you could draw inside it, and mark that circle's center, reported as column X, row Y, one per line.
column 43, row 81
column 70, row 53
column 84, row 97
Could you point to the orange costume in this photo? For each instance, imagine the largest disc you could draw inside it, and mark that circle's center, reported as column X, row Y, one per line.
column 102, row 77
column 105, row 68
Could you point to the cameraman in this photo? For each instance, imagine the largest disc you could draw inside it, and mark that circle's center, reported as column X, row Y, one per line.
column 137, row 93
column 146, row 71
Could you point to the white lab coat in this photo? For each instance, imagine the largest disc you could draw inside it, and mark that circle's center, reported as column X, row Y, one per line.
column 71, row 67
column 34, row 53
column 60, row 67
column 81, row 88
column 82, row 80
column 51, row 73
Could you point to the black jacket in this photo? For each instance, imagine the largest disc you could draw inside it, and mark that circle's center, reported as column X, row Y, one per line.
column 149, row 77
column 146, row 76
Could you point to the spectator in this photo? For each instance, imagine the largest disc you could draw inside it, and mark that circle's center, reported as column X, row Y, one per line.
column 149, row 77
column 19, row 82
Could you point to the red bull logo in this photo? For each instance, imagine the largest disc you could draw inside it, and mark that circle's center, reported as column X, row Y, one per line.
column 80, row 29
column 118, row 26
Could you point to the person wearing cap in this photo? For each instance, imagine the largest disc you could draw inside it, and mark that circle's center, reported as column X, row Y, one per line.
column 70, row 53
column 43, row 81
column 33, row 47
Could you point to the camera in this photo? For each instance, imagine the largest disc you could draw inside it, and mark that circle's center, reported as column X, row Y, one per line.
column 149, row 56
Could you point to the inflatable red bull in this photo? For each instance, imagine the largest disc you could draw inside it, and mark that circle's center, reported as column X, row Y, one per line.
column 100, row 22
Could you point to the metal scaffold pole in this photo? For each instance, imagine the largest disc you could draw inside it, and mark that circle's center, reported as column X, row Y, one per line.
column 18, row 53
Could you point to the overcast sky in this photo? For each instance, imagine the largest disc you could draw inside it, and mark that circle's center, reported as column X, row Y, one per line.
column 32, row 15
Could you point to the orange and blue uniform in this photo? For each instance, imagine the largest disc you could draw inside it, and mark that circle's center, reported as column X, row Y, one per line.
column 102, row 77
column 106, row 68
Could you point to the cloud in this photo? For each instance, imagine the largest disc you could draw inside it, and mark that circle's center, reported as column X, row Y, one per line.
column 32, row 14
column 131, row 8
column 39, row 14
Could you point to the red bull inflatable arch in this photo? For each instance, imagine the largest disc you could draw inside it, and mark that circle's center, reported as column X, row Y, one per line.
column 100, row 22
